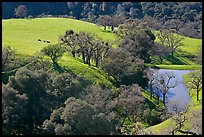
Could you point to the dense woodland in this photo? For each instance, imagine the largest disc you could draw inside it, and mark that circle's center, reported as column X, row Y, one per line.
column 42, row 97
column 183, row 17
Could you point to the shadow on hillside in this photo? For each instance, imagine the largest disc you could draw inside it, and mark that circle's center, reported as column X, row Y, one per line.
column 184, row 54
column 107, row 31
column 181, row 58
column 175, row 60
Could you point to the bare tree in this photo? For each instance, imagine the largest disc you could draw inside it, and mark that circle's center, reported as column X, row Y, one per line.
column 103, row 20
column 181, row 117
column 196, row 81
column 69, row 38
column 160, row 51
column 21, row 11
column 150, row 74
column 164, row 83
column 173, row 42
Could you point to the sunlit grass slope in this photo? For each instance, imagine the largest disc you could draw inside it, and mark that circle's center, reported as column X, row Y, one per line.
column 23, row 35
column 185, row 55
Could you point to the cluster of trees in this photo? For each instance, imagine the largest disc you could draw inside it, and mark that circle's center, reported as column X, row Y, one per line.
column 86, row 45
column 160, row 83
column 182, row 17
column 110, row 21
column 38, row 101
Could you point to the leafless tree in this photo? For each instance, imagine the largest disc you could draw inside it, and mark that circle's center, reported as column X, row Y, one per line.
column 181, row 117
column 164, row 83
column 173, row 42
column 169, row 39
column 21, row 11
column 196, row 81
column 150, row 74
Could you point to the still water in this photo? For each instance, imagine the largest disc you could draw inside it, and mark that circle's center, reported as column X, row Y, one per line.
column 179, row 93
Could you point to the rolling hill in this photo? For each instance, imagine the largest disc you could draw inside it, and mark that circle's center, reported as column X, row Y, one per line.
column 23, row 35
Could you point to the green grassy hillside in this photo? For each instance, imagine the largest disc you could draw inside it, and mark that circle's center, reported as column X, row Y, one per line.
column 23, row 35
column 185, row 55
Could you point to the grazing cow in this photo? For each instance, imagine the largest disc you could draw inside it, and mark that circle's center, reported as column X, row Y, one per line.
column 39, row 39
column 44, row 40
column 48, row 41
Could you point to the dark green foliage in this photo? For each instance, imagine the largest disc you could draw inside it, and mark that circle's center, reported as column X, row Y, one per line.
column 33, row 84
column 8, row 57
column 77, row 117
column 136, row 40
column 99, row 97
column 11, row 62
column 65, row 85
column 119, row 64
column 128, row 105
column 13, row 110
column 152, row 117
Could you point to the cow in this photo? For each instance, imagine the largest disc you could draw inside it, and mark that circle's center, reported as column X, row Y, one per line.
column 48, row 41
column 39, row 39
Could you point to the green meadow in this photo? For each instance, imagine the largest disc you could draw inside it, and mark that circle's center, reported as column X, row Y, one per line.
column 23, row 34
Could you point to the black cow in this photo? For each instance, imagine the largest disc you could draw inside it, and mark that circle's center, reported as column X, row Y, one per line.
column 39, row 39
column 48, row 41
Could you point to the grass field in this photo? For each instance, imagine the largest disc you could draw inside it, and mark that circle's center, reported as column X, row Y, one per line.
column 185, row 55
column 23, row 36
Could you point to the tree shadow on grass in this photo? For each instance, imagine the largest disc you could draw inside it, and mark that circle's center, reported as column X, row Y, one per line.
column 175, row 60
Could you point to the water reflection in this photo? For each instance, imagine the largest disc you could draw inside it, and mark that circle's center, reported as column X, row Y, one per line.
column 179, row 93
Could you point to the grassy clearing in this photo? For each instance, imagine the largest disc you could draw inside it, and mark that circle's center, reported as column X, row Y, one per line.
column 185, row 55
column 92, row 73
column 179, row 67
column 23, row 34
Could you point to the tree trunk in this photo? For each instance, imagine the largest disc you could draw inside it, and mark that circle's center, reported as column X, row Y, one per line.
column 164, row 95
column 104, row 27
column 172, row 53
column 197, row 94
column 97, row 62
column 88, row 60
column 83, row 57
column 73, row 53
column 151, row 92
column 157, row 99
column 161, row 59
column 112, row 28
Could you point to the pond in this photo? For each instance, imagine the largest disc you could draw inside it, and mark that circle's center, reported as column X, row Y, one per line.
column 179, row 93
